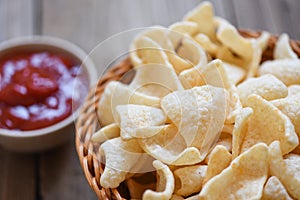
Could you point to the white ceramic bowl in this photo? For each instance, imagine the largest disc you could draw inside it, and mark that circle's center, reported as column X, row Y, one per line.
column 54, row 135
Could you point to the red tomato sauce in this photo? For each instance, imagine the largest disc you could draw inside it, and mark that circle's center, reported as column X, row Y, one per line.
column 36, row 89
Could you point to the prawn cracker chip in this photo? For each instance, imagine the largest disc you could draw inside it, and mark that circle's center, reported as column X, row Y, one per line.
column 155, row 80
column 107, row 132
column 266, row 86
column 226, row 55
column 274, row 190
column 160, row 35
column 225, row 140
column 219, row 159
column 243, row 179
column 228, row 128
column 199, row 113
column 283, row 49
column 197, row 56
column 214, row 74
column 235, row 74
column 263, row 40
column 191, row 51
column 147, row 132
column 147, row 51
column 287, row 170
column 188, row 53
column 230, row 37
column 168, row 146
column 290, row 106
column 137, row 116
column 244, row 52
column 234, row 105
column 293, row 89
column 268, row 124
column 185, row 28
column 179, row 64
column 165, row 185
column 203, row 15
column 121, row 157
column 115, row 94
column 255, row 60
column 206, row 44
column 240, row 130
column 286, row 70
column 189, row 179
column 211, row 74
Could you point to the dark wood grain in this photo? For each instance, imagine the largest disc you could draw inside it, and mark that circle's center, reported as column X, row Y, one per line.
column 17, row 176
column 61, row 176
column 57, row 174
column 17, row 171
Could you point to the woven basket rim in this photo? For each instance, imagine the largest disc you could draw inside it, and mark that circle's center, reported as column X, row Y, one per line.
column 87, row 122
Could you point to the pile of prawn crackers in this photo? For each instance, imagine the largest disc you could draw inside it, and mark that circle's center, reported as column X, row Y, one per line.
column 203, row 117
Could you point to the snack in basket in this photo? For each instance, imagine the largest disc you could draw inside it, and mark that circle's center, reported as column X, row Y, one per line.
column 132, row 117
column 268, row 124
column 165, row 144
column 218, row 160
column 214, row 119
column 285, row 169
column 165, row 185
column 275, row 190
column 116, row 94
column 188, row 180
column 283, row 49
column 243, row 179
column 155, row 80
column 266, row 86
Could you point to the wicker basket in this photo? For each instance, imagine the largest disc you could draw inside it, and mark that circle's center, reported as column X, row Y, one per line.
column 87, row 122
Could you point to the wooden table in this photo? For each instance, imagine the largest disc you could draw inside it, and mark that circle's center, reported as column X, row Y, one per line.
column 57, row 174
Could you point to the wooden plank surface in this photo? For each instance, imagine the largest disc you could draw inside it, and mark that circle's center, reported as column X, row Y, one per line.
column 57, row 174
column 61, row 176
column 101, row 19
column 17, row 171
column 16, row 18
column 90, row 22
column 17, row 176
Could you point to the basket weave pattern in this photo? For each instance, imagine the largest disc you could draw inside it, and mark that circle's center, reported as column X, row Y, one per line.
column 88, row 123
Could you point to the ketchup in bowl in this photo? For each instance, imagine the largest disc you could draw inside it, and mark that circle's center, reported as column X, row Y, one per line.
column 36, row 89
